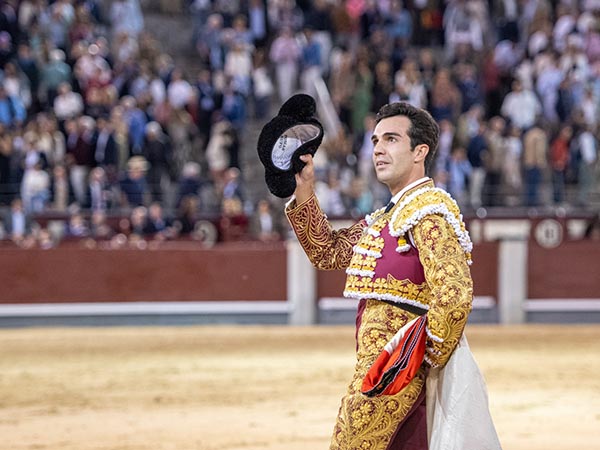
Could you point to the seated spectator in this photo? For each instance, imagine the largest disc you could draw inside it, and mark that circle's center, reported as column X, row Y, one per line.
column 137, row 222
column 77, row 226
column 17, row 223
column 187, row 215
column 265, row 225
column 158, row 226
column 99, row 227
column 190, row 182
column 134, row 187
column 233, row 225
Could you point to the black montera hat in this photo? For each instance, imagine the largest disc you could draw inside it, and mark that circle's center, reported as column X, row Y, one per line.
column 293, row 132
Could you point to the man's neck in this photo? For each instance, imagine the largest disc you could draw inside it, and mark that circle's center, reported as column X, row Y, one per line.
column 406, row 188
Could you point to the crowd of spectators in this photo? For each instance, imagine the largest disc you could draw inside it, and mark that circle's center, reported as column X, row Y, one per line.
column 97, row 121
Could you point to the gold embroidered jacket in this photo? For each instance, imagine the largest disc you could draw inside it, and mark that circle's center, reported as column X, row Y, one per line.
column 417, row 254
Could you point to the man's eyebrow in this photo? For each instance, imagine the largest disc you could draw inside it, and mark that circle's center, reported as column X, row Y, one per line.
column 389, row 133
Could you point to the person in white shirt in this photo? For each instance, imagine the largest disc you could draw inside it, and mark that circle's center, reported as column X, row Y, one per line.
column 521, row 106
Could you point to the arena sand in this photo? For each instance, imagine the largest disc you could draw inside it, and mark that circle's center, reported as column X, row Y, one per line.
column 254, row 387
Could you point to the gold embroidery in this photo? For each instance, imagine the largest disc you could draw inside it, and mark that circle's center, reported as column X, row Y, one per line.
column 326, row 249
column 448, row 276
column 370, row 422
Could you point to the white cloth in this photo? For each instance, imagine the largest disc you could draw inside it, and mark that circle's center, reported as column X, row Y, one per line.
column 458, row 417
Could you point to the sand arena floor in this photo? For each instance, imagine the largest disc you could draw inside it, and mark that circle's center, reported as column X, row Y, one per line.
column 254, row 387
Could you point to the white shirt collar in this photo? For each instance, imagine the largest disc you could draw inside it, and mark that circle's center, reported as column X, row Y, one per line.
column 399, row 195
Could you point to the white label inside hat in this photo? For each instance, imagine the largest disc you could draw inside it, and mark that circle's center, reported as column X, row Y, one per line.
column 289, row 142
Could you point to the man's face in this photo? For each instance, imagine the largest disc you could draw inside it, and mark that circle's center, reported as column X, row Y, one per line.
column 393, row 157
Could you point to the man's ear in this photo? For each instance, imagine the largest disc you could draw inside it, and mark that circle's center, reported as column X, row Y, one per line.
column 421, row 152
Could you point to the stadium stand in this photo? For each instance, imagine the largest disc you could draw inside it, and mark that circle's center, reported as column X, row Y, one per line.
column 131, row 120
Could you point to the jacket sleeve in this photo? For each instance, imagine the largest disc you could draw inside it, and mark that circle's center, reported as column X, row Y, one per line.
column 449, row 278
column 327, row 249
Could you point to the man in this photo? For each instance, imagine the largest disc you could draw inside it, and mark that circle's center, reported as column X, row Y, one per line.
column 408, row 259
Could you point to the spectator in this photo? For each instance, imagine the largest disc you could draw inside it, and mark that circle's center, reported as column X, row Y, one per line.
column 12, row 110
column 311, row 62
column 265, row 225
column 17, row 222
column 77, row 226
column 187, row 216
column 60, row 189
column 559, row 161
column 157, row 226
column 459, row 173
column 285, row 56
column 80, row 154
column 126, row 16
column 477, row 155
column 134, row 186
column 587, row 164
column 67, row 104
column 521, row 106
column 233, row 224
column 100, row 195
column 158, row 153
column 535, row 162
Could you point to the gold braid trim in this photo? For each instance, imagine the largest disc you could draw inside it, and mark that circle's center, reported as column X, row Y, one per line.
column 370, row 422
column 327, row 249
column 423, row 202
column 449, row 279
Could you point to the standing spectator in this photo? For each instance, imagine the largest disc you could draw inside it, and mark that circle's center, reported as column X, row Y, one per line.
column 106, row 152
column 136, row 121
column 99, row 192
column 559, row 161
column 179, row 90
column 208, row 103
column 17, row 222
column 535, row 162
column 12, row 110
column 409, row 85
column 547, row 84
column 80, row 155
column 587, row 164
column 67, row 104
column 126, row 16
column 362, row 98
column 262, row 86
column 53, row 74
column 494, row 161
column 311, row 63
column 445, row 97
column 158, row 153
column 459, row 172
column 238, row 67
column 477, row 153
column 35, row 188
column 257, row 17
column 521, row 106
column 60, row 189
column 511, row 168
column 382, row 84
column 285, row 56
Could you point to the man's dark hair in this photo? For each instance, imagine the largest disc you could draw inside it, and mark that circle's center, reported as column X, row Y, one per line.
column 423, row 128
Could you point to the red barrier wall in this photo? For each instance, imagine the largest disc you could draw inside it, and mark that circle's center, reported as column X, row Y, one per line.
column 571, row 270
column 240, row 272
